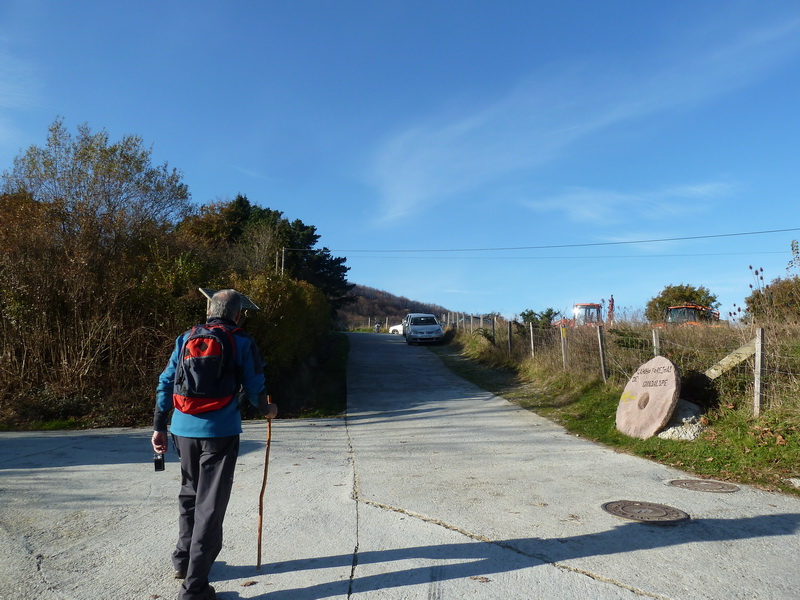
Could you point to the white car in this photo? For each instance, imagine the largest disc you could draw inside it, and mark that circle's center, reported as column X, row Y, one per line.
column 423, row 327
column 396, row 329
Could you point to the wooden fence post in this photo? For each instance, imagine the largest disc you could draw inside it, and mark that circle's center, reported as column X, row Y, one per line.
column 656, row 343
column 602, row 344
column 564, row 345
column 532, row 352
column 758, row 387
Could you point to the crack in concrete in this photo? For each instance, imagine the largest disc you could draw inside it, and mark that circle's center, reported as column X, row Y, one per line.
column 355, row 495
column 481, row 538
column 37, row 557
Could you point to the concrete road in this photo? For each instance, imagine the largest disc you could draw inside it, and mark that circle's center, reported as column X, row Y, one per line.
column 429, row 489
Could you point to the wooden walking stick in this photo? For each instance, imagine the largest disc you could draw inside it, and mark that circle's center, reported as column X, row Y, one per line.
column 263, row 487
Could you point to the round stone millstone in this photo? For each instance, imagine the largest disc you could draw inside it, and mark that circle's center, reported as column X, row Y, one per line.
column 645, row 512
column 649, row 399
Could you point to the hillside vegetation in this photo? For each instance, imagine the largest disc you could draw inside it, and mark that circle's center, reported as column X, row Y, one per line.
column 369, row 305
column 101, row 257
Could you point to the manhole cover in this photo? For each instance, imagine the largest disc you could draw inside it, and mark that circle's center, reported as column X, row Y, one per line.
column 646, row 512
column 702, row 485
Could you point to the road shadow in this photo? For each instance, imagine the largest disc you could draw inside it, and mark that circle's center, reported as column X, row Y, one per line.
column 48, row 450
column 483, row 559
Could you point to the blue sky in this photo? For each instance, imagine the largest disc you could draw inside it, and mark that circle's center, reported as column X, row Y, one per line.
column 491, row 156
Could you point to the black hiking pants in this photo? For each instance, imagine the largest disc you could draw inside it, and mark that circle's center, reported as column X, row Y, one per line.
column 207, row 466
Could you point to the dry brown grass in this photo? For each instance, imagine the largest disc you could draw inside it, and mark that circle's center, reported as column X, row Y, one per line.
column 629, row 344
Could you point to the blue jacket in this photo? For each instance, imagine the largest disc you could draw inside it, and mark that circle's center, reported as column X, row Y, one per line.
column 216, row 423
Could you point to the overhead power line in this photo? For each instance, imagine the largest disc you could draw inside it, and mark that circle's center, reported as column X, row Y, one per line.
column 593, row 257
column 583, row 245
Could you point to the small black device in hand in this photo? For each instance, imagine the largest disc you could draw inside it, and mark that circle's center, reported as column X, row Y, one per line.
column 158, row 461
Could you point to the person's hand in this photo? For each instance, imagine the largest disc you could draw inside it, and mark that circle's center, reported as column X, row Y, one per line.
column 160, row 442
column 272, row 411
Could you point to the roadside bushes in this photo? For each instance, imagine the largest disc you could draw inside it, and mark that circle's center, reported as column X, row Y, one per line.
column 304, row 367
column 86, row 340
column 94, row 358
column 97, row 278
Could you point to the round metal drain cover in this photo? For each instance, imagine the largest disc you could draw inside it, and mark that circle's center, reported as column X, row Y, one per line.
column 646, row 512
column 703, row 485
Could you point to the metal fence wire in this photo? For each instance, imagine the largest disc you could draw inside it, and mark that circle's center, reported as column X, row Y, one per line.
column 766, row 378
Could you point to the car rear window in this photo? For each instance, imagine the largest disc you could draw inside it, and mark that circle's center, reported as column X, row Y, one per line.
column 423, row 320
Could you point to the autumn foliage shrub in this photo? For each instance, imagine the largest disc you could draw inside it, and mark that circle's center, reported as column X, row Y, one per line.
column 97, row 279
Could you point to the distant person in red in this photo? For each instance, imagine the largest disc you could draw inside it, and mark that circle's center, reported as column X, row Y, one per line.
column 611, row 310
column 208, row 366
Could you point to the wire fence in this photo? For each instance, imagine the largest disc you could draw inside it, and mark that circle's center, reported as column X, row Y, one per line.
column 762, row 376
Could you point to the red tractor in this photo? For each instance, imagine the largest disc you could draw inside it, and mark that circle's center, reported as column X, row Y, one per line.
column 584, row 314
column 691, row 315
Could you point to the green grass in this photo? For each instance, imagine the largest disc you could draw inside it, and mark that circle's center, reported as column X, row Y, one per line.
column 734, row 446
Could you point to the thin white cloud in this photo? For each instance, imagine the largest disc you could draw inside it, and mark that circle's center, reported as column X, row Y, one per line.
column 432, row 161
column 425, row 164
column 604, row 207
column 18, row 91
column 16, row 82
column 250, row 173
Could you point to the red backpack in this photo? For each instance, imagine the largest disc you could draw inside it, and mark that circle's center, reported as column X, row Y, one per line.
column 206, row 377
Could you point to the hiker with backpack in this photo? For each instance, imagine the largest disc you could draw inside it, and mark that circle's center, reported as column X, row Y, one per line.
column 209, row 365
